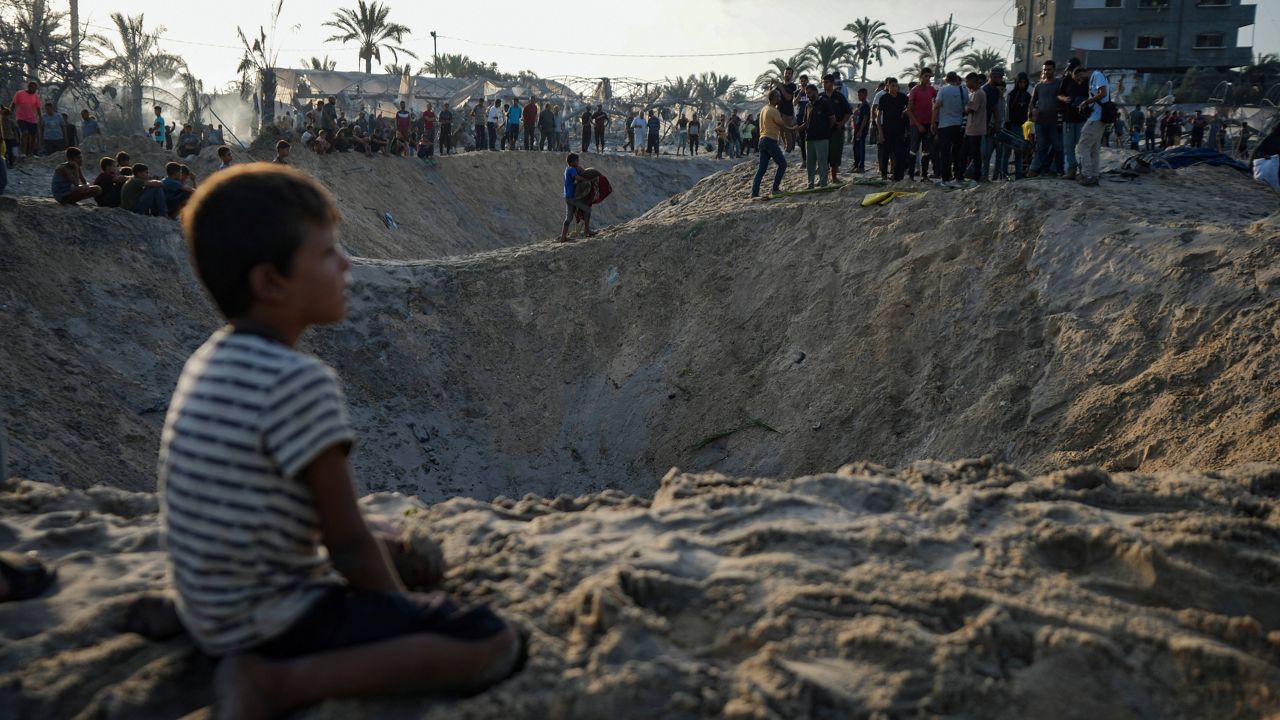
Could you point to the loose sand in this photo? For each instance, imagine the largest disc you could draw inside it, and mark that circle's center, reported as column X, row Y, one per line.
column 963, row 590
column 1132, row 326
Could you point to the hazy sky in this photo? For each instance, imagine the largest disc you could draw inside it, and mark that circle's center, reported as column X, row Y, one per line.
column 207, row 31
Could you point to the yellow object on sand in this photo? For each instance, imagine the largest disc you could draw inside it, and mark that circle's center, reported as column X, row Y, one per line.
column 884, row 198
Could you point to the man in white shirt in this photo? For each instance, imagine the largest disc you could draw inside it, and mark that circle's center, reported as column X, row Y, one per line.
column 1087, row 148
column 492, row 120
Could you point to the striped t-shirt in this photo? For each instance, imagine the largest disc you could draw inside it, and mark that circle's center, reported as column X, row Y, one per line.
column 240, row 526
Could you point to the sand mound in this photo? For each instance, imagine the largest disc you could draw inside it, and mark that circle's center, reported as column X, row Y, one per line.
column 1044, row 324
column 966, row 590
column 464, row 204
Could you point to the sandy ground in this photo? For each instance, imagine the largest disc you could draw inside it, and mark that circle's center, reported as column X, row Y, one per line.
column 965, row 590
column 1044, row 324
column 1037, row 325
column 465, row 203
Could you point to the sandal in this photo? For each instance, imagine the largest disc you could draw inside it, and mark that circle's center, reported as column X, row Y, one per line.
column 27, row 577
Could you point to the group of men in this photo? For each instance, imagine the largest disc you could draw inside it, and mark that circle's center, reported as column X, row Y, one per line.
column 953, row 132
column 502, row 125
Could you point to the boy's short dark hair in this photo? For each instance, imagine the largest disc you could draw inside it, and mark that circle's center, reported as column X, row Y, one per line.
column 105, row 163
column 573, row 158
column 224, row 150
column 245, row 216
column 282, row 145
column 122, row 157
column 73, row 153
column 139, row 168
column 172, row 169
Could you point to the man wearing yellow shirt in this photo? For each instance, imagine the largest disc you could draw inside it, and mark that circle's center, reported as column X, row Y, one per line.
column 772, row 125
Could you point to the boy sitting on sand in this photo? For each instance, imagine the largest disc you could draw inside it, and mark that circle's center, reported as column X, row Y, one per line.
column 254, row 476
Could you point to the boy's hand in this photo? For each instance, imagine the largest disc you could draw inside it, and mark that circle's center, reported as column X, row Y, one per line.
column 352, row 548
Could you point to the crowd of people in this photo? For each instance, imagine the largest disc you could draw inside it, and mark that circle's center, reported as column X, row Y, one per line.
column 970, row 129
column 509, row 124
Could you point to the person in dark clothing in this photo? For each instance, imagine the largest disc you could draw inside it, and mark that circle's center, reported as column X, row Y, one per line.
column 861, row 124
column 802, row 108
column 1072, row 94
column 1018, row 108
column 786, row 106
column 585, row 119
column 893, row 130
column 446, row 130
column 653, row 126
column 819, row 126
column 599, row 120
column 840, row 112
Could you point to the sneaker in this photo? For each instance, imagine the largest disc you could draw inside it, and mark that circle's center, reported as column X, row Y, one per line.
column 1071, row 175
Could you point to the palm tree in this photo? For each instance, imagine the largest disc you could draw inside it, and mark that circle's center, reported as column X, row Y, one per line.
column 404, row 70
column 938, row 44
column 913, row 72
column 801, row 62
column 315, row 63
column 871, row 41
column 829, row 52
column 368, row 25
column 137, row 59
column 682, row 89
column 709, row 86
column 982, row 61
column 1264, row 70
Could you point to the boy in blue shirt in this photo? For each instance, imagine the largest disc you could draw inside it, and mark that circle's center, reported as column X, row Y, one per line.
column 573, row 183
column 254, row 478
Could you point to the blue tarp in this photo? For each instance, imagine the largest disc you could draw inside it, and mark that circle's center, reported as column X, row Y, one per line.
column 1181, row 157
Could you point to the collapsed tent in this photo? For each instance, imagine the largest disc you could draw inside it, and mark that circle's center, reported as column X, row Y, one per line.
column 383, row 92
column 1181, row 157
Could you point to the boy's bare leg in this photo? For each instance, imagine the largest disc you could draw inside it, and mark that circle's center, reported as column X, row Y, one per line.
column 249, row 687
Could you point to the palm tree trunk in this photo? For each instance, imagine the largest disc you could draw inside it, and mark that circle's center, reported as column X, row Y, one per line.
column 75, row 34
column 135, row 91
column 268, row 97
column 33, row 40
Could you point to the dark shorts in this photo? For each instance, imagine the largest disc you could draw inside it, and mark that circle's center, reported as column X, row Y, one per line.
column 835, row 149
column 345, row 618
column 27, row 128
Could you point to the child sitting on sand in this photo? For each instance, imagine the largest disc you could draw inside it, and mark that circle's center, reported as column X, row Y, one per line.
column 254, row 476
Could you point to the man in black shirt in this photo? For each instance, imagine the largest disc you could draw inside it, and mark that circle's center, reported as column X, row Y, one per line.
column 446, row 130
column 786, row 107
column 802, row 108
column 840, row 111
column 819, row 125
column 893, row 129
column 585, row 119
column 861, row 124
column 1071, row 93
column 600, row 119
